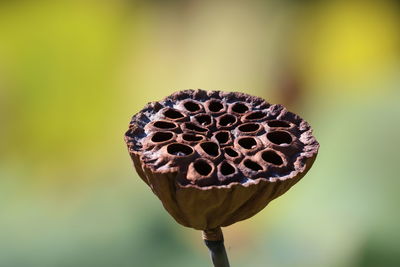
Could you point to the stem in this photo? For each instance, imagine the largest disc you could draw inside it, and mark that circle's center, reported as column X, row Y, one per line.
column 214, row 241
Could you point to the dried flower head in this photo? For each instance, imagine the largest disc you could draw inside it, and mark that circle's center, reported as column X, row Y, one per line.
column 214, row 158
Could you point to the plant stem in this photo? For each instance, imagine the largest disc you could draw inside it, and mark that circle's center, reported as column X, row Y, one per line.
column 214, row 241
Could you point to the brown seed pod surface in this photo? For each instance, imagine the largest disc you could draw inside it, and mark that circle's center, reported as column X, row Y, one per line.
column 214, row 158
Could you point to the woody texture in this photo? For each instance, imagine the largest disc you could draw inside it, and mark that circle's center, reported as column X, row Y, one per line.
column 214, row 158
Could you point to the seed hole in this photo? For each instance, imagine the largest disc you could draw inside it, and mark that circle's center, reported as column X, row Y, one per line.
column 192, row 137
column 210, row 148
column 215, row 106
column 191, row 106
column 227, row 120
column 256, row 115
column 202, row 167
column 222, row 137
column 194, row 127
column 226, row 168
column 247, row 142
column 164, row 125
column 271, row 157
column 203, row 119
column 179, row 149
column 231, row 152
column 161, row 137
column 249, row 127
column 239, row 108
column 279, row 137
column 173, row 114
column 278, row 123
column 252, row 165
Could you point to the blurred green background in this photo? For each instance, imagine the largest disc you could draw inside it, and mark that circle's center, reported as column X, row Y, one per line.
column 72, row 73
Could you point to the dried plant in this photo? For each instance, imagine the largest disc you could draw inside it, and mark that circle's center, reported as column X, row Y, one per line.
column 214, row 158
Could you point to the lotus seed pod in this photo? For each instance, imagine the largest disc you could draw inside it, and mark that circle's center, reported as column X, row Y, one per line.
column 214, row 158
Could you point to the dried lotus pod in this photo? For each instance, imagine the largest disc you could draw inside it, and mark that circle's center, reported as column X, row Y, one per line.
column 214, row 158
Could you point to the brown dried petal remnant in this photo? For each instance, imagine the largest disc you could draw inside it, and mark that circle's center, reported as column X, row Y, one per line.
column 214, row 158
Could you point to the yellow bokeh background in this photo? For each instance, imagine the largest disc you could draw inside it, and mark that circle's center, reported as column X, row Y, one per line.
column 72, row 73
